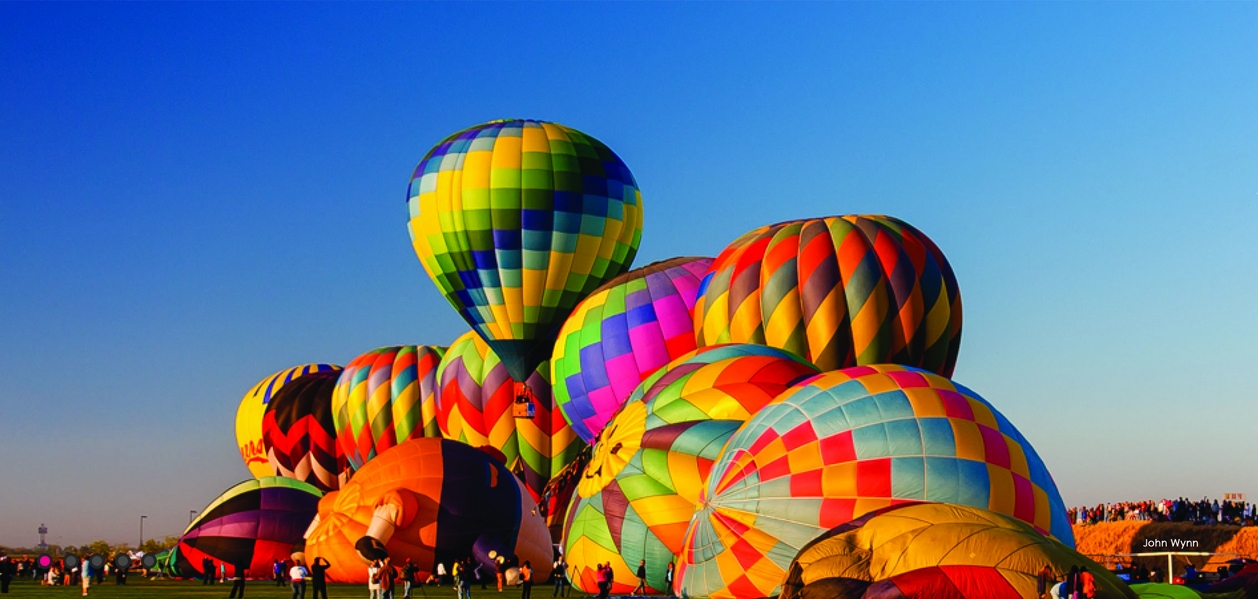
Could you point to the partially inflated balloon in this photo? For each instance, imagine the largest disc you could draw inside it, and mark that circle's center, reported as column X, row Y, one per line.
column 384, row 397
column 477, row 405
column 626, row 330
column 299, row 435
column 935, row 551
column 651, row 461
column 430, row 501
column 847, row 443
column 516, row 221
column 250, row 524
column 253, row 407
column 839, row 291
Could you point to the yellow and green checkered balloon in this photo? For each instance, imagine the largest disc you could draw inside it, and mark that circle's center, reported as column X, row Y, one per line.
column 516, row 221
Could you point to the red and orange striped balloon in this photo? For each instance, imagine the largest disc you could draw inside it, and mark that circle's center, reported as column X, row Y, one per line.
column 840, row 291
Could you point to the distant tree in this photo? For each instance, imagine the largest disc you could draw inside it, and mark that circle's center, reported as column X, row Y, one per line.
column 155, row 546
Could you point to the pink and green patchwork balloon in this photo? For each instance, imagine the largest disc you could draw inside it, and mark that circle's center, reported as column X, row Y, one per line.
column 621, row 334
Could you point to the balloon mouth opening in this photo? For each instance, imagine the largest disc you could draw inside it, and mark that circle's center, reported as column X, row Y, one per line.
column 525, row 406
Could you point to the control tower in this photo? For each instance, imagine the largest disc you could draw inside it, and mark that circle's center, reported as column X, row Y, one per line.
column 43, row 534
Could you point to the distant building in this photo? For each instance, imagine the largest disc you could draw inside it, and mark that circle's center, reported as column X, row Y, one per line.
column 43, row 534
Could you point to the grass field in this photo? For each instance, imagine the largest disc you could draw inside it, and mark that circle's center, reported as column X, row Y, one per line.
column 141, row 588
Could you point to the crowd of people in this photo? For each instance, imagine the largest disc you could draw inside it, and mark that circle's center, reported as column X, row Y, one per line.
column 1205, row 511
column 57, row 572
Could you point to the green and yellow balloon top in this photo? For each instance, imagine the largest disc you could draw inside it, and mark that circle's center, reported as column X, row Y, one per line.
column 516, row 221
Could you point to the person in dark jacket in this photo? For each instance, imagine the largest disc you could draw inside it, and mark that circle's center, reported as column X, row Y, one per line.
column 319, row 576
column 641, row 579
column 238, row 581
column 6, row 572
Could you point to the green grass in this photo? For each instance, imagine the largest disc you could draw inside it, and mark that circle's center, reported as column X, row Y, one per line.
column 141, row 588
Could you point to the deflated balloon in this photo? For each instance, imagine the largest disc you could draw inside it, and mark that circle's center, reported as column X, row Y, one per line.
column 253, row 407
column 838, row 291
column 477, row 404
column 935, row 550
column 299, row 435
column 431, row 501
column 651, row 461
column 627, row 329
column 251, row 524
column 842, row 445
column 384, row 397
column 516, row 221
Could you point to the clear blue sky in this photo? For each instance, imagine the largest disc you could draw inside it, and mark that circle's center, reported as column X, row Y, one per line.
column 195, row 195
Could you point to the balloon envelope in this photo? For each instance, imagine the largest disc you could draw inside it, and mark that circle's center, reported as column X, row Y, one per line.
column 476, row 405
column 298, row 432
column 451, row 500
column 251, row 523
column 640, row 489
column 622, row 333
column 384, row 397
column 516, row 221
column 935, row 551
column 838, row 291
column 253, row 407
column 847, row 443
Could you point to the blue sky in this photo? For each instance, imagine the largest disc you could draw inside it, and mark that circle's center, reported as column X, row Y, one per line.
column 193, row 196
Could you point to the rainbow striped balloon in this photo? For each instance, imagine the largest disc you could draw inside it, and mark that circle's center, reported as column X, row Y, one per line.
column 384, row 397
column 839, row 291
column 475, row 405
column 626, row 330
column 516, row 221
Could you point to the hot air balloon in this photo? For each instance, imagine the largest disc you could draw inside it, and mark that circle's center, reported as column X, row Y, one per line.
column 516, row 221
column 476, row 406
column 651, row 461
column 384, row 397
column 935, row 551
column 253, row 407
column 627, row 329
column 252, row 523
column 838, row 291
column 299, row 435
column 431, row 501
column 847, row 443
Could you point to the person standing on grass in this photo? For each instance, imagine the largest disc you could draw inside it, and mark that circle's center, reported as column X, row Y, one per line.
column 479, row 577
column 501, row 567
column 465, row 578
column 526, row 579
column 373, row 580
column 408, row 577
column 238, row 581
column 388, row 579
column 297, row 576
column 277, row 570
column 670, row 573
column 319, row 576
column 641, row 579
column 6, row 573
column 559, row 571
column 85, row 574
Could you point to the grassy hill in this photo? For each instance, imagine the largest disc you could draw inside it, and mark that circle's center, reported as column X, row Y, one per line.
column 1109, row 538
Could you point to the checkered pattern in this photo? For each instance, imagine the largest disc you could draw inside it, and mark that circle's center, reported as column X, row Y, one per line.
column 516, row 222
column 653, row 458
column 845, row 444
column 839, row 291
column 384, row 397
column 626, row 330
column 253, row 407
column 299, row 434
column 474, row 405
